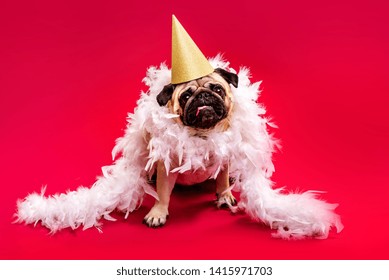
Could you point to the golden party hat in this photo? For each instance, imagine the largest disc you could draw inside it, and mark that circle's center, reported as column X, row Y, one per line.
column 188, row 62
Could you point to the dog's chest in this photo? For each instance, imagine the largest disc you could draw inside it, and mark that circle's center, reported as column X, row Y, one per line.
column 194, row 177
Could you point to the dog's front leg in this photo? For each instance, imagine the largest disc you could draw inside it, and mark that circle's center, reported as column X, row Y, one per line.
column 223, row 192
column 165, row 183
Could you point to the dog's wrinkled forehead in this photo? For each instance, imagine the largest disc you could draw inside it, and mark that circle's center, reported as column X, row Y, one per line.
column 203, row 82
column 220, row 76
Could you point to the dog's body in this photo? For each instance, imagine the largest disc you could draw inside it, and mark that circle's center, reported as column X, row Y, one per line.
column 204, row 105
column 223, row 137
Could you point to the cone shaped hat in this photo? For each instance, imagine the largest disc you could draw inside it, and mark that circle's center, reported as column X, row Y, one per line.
column 188, row 62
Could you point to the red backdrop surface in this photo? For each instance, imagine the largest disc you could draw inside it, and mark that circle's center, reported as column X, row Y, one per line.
column 71, row 71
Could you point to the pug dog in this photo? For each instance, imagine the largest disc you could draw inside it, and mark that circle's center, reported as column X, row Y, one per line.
column 203, row 105
column 186, row 133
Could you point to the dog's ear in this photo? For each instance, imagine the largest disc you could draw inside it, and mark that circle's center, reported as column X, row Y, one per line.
column 165, row 95
column 231, row 78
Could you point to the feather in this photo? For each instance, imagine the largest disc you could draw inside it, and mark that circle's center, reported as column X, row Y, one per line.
column 246, row 146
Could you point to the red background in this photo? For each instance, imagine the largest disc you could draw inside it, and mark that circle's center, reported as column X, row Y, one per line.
column 70, row 72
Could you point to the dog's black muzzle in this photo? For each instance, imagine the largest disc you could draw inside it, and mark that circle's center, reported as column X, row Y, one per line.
column 204, row 110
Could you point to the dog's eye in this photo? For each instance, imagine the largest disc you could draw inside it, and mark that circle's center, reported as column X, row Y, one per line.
column 186, row 95
column 217, row 89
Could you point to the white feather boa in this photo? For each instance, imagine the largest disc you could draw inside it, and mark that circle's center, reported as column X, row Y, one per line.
column 246, row 145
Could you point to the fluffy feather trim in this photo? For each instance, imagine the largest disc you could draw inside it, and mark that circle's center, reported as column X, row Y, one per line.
column 152, row 135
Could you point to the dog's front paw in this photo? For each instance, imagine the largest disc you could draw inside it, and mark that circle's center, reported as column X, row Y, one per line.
column 157, row 216
column 225, row 199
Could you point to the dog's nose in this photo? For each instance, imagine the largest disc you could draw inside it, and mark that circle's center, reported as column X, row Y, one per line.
column 202, row 95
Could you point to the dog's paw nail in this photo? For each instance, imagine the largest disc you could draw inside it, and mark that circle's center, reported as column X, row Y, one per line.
column 223, row 206
column 156, row 217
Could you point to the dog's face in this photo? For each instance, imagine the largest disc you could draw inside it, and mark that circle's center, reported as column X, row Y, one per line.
column 202, row 103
